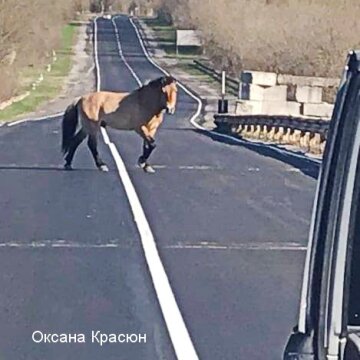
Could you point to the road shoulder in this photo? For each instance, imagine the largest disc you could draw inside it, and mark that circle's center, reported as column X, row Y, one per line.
column 80, row 79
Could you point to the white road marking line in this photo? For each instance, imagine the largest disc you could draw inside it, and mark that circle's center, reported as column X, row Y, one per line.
column 97, row 66
column 187, row 167
column 197, row 167
column 178, row 332
column 13, row 123
column 198, row 100
column 58, row 244
column 294, row 170
column 121, row 52
column 247, row 246
column 276, row 148
column 218, row 168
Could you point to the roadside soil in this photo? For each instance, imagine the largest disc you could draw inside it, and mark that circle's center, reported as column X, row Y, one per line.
column 80, row 80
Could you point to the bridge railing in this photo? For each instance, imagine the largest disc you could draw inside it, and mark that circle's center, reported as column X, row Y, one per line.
column 308, row 134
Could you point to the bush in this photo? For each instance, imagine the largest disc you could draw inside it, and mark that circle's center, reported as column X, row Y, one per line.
column 29, row 30
column 303, row 37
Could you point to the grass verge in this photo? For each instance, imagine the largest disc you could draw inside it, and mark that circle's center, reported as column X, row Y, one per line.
column 192, row 70
column 165, row 36
column 53, row 81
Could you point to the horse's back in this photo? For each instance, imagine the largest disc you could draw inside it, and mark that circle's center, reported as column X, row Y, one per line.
column 135, row 110
column 127, row 116
column 121, row 110
column 100, row 103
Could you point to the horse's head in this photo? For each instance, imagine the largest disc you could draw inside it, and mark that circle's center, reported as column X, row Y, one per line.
column 169, row 88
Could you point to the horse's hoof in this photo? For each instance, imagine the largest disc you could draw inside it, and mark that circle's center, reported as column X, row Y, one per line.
column 142, row 164
column 149, row 169
column 104, row 168
column 68, row 167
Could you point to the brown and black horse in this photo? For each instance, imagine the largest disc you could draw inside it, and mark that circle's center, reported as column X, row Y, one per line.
column 141, row 110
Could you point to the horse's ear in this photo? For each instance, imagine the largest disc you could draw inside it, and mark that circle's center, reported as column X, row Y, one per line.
column 167, row 80
column 163, row 81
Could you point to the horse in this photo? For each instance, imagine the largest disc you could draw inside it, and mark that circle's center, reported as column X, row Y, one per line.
column 141, row 110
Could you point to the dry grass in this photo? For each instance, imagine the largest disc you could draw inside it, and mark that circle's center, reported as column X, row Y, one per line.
column 52, row 83
column 128, row 5
column 29, row 30
column 304, row 37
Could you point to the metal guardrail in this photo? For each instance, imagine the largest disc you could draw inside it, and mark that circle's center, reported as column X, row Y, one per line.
column 231, row 83
column 227, row 123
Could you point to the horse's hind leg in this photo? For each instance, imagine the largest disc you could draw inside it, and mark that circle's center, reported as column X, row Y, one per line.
column 78, row 138
column 148, row 147
column 92, row 144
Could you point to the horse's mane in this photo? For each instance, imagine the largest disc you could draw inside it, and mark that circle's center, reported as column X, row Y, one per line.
column 149, row 97
column 159, row 82
column 140, row 105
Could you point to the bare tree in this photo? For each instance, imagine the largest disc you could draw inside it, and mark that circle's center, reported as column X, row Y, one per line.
column 297, row 36
column 28, row 32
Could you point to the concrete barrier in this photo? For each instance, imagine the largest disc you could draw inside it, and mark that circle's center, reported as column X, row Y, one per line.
column 323, row 110
column 308, row 94
column 259, row 78
column 244, row 107
column 252, row 107
column 287, row 108
column 262, row 93
column 255, row 92
column 283, row 79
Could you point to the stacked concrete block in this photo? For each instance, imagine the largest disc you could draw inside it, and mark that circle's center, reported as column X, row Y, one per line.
column 287, row 108
column 267, row 93
column 258, row 78
column 248, row 107
column 323, row 110
column 308, row 94
column 283, row 79
column 262, row 93
column 259, row 93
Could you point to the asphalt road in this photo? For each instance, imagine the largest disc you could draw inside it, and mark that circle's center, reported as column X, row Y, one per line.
column 230, row 222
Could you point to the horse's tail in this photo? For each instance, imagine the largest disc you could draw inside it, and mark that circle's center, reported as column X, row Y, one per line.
column 69, row 125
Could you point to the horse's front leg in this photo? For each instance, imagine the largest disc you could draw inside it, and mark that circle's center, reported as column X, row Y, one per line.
column 148, row 147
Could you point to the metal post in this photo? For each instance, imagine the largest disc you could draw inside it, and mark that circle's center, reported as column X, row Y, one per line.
column 223, row 103
column 223, row 84
column 176, row 44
